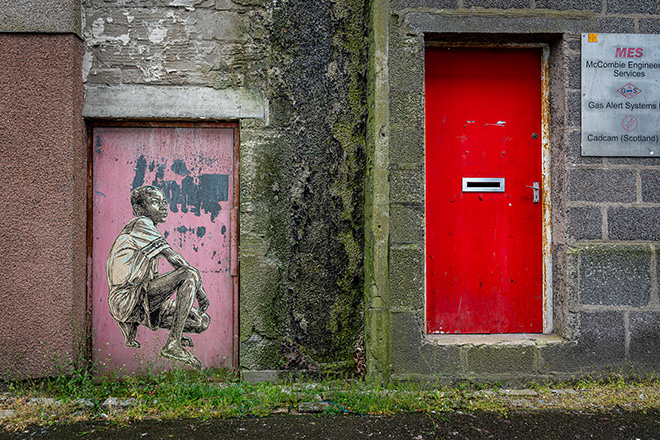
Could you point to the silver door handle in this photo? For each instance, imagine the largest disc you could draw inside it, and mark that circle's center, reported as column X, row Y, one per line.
column 537, row 190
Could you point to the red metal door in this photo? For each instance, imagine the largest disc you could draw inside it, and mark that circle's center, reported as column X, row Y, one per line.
column 483, row 249
column 195, row 167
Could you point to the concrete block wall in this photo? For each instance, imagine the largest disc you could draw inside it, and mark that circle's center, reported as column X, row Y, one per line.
column 611, row 231
column 604, row 210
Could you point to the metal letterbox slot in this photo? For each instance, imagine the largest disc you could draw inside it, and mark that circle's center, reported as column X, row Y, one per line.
column 483, row 184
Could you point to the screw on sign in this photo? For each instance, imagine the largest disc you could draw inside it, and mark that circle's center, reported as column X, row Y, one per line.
column 629, row 90
column 629, row 123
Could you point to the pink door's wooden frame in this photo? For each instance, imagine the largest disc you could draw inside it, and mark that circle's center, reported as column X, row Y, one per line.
column 233, row 228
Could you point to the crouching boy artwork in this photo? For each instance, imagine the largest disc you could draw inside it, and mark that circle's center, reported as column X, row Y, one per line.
column 138, row 295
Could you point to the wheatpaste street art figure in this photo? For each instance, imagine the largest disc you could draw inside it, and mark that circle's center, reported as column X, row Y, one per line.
column 138, row 295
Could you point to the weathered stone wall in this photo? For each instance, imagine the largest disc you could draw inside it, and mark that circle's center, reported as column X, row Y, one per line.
column 304, row 224
column 604, row 210
column 43, row 215
column 302, row 158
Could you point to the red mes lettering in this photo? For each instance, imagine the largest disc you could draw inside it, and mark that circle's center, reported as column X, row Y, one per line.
column 629, row 52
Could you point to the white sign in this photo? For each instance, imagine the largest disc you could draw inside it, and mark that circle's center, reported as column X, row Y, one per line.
column 620, row 95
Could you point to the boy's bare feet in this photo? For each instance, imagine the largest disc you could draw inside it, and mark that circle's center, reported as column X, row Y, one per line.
column 176, row 352
column 132, row 344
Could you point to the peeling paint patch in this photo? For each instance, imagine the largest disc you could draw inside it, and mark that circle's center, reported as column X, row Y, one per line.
column 204, row 195
column 199, row 231
column 124, row 39
column 160, row 173
column 98, row 34
column 98, row 145
column 87, row 62
column 188, row 4
column 179, row 167
column 98, row 26
column 157, row 34
column 140, row 169
column 153, row 71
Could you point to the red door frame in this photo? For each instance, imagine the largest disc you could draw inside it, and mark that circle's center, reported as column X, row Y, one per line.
column 234, row 227
column 546, row 235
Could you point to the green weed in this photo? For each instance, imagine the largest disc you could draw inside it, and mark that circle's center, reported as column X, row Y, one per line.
column 211, row 393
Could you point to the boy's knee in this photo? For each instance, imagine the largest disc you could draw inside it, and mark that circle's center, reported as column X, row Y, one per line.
column 206, row 321
column 202, row 323
column 192, row 274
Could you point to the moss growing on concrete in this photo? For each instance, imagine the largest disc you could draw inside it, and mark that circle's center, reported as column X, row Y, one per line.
column 376, row 208
column 309, row 188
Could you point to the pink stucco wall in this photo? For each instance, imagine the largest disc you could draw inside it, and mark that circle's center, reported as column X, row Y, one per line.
column 43, row 199
column 195, row 163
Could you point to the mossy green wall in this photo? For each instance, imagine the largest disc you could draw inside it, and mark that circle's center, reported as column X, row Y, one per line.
column 303, row 194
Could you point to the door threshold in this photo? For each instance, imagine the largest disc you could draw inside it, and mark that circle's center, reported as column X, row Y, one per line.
column 495, row 339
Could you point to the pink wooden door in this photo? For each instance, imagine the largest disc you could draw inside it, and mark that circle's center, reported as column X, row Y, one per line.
column 483, row 226
column 194, row 165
